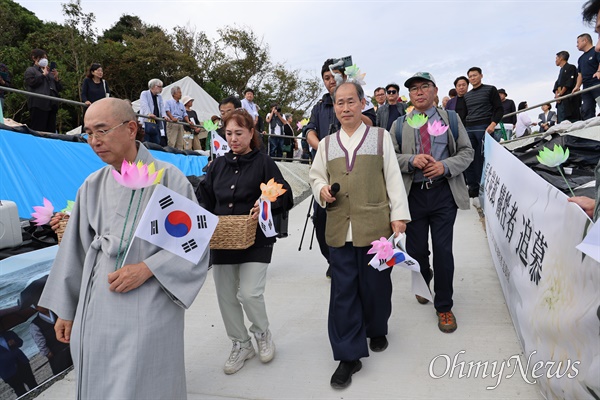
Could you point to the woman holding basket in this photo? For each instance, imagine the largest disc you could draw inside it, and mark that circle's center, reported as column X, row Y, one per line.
column 232, row 187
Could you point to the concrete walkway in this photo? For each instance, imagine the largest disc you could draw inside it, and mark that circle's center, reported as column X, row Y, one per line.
column 297, row 297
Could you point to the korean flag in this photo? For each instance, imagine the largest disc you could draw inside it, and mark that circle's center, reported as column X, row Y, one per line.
column 265, row 218
column 177, row 224
column 219, row 145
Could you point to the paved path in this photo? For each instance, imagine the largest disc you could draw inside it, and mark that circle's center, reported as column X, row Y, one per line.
column 297, row 297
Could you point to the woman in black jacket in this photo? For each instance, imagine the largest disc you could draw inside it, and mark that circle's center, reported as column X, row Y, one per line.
column 232, row 187
column 94, row 87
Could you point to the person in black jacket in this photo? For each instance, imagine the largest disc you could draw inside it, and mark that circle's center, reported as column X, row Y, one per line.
column 39, row 78
column 232, row 187
column 94, row 87
column 15, row 368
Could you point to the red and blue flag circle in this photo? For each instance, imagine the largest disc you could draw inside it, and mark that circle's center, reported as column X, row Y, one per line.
column 178, row 223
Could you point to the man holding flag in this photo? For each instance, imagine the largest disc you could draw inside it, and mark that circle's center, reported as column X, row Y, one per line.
column 125, row 324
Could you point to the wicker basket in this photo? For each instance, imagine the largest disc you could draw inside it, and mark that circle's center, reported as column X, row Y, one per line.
column 62, row 225
column 234, row 232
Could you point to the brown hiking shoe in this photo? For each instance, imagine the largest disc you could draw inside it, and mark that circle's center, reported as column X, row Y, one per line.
column 446, row 321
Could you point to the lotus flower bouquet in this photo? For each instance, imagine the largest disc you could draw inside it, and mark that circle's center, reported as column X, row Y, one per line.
column 135, row 177
column 554, row 158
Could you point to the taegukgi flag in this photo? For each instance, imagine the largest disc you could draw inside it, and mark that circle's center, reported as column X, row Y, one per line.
column 176, row 224
column 265, row 218
column 219, row 145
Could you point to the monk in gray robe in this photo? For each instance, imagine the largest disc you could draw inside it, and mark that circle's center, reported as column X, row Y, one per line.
column 125, row 326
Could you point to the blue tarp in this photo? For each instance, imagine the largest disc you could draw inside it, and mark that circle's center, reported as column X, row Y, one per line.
column 32, row 168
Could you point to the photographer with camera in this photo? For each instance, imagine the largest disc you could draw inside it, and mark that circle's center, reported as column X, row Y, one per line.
column 42, row 78
column 276, row 121
column 322, row 123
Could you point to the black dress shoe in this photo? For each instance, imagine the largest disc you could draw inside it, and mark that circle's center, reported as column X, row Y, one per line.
column 342, row 377
column 378, row 344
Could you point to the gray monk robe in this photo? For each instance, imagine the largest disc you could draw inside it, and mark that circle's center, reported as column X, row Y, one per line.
column 124, row 345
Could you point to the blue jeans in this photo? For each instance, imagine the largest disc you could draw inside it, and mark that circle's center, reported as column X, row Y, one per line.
column 152, row 132
column 275, row 146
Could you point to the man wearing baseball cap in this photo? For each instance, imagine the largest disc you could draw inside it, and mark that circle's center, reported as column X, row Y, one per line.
column 432, row 170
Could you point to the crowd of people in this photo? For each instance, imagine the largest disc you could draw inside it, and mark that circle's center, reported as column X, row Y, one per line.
column 374, row 174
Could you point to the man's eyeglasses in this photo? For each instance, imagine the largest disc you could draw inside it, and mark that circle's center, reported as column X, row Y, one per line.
column 103, row 132
column 392, row 91
column 423, row 87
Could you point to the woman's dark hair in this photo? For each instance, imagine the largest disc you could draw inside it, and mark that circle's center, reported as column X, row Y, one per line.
column 522, row 105
column 36, row 54
column 93, row 67
column 245, row 120
column 549, row 106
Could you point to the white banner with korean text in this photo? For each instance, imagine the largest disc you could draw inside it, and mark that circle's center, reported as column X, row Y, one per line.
column 552, row 289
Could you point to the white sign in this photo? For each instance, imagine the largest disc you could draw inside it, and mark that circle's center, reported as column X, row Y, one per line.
column 550, row 287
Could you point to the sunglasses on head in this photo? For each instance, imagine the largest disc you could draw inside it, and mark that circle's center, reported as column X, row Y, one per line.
column 392, row 91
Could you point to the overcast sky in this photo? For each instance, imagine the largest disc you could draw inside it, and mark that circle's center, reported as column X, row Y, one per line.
column 513, row 42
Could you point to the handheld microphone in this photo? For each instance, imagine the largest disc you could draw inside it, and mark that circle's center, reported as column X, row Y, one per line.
column 335, row 188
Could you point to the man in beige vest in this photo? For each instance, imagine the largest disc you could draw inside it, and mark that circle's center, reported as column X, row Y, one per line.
column 371, row 203
column 432, row 169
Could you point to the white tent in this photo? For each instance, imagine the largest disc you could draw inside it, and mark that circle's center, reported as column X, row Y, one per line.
column 204, row 105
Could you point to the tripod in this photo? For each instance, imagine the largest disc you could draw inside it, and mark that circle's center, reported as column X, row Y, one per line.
column 308, row 216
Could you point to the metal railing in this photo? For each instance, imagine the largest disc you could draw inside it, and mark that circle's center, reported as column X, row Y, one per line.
column 554, row 100
column 80, row 104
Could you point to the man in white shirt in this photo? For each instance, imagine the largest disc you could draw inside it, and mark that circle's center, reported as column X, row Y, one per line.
column 249, row 105
column 371, row 203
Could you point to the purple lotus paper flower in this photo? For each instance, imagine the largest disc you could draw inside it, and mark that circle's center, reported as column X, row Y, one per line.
column 43, row 214
column 381, row 248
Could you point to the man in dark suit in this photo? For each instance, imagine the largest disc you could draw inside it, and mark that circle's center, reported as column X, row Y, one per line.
column 14, row 364
column 547, row 118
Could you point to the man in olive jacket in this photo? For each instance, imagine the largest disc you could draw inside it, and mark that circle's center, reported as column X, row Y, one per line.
column 432, row 170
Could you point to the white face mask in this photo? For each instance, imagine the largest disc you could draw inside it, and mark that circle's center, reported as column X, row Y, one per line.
column 43, row 62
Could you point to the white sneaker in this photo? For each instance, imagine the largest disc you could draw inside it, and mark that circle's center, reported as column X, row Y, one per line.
column 237, row 357
column 266, row 347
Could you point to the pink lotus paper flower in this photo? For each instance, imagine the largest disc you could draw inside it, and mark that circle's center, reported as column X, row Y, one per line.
column 381, row 248
column 436, row 128
column 271, row 190
column 137, row 176
column 43, row 214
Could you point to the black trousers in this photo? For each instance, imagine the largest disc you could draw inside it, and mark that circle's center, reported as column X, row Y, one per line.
column 42, row 120
column 320, row 221
column 24, row 376
column 360, row 303
column 475, row 169
column 433, row 209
